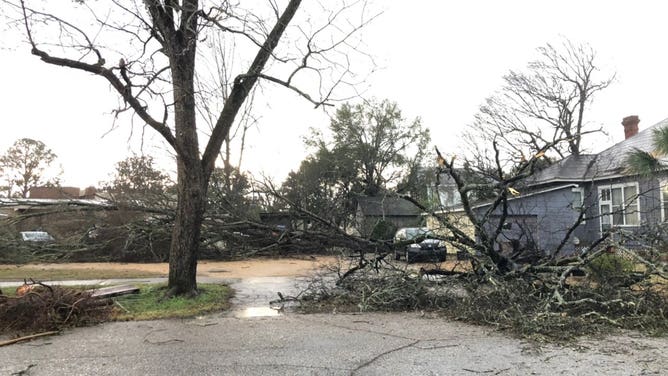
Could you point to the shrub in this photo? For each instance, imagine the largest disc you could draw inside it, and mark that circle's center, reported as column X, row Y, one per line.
column 610, row 267
column 383, row 230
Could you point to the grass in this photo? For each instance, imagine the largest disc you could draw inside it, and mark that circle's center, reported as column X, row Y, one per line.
column 150, row 303
column 58, row 307
column 18, row 273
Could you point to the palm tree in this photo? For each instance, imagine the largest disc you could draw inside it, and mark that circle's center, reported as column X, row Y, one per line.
column 646, row 163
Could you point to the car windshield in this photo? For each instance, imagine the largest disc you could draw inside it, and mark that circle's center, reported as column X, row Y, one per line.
column 412, row 233
column 36, row 236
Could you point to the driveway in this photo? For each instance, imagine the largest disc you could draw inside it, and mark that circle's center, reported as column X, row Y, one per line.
column 323, row 344
column 253, row 339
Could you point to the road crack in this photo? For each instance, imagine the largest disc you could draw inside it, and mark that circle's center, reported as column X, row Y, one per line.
column 375, row 358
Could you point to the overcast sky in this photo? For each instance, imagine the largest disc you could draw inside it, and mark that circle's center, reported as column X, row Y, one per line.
column 437, row 59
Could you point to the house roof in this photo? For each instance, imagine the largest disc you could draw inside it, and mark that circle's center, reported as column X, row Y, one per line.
column 25, row 203
column 571, row 168
column 387, row 206
column 606, row 164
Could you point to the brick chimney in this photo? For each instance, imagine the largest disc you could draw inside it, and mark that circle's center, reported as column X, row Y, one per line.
column 630, row 124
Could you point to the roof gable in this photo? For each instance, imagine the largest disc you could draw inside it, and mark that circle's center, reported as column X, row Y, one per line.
column 387, row 206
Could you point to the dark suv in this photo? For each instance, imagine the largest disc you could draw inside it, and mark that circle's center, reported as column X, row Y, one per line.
column 426, row 248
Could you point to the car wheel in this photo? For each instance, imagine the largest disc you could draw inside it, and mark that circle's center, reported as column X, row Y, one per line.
column 441, row 258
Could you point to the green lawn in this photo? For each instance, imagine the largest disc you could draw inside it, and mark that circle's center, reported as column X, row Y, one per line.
column 151, row 304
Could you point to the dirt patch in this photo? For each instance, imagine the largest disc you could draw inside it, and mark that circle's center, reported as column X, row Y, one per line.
column 284, row 267
column 45, row 273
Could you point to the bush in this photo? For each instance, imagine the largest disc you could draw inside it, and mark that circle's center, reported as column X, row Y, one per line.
column 610, row 267
column 383, row 230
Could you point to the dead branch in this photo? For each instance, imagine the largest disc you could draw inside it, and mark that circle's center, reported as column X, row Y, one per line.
column 28, row 338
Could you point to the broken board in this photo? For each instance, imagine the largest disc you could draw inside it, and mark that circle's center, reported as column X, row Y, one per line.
column 108, row 292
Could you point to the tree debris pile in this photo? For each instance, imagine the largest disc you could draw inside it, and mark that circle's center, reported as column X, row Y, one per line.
column 594, row 296
column 524, row 305
column 124, row 236
column 386, row 290
column 39, row 307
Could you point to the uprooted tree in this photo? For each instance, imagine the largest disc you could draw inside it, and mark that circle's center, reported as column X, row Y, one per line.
column 540, row 115
column 156, row 73
column 617, row 279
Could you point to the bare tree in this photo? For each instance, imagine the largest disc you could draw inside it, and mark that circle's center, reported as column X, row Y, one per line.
column 213, row 92
column 546, row 102
column 159, row 42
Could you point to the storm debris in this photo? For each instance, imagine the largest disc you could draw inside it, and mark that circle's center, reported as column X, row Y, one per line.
column 42, row 307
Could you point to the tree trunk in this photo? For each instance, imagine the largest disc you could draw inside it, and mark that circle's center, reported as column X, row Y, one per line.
column 192, row 182
column 186, row 233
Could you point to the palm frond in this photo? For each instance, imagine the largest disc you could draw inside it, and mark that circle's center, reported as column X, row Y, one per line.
column 660, row 138
column 643, row 163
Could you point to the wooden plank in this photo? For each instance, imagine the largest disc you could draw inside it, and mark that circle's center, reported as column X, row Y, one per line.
column 108, row 292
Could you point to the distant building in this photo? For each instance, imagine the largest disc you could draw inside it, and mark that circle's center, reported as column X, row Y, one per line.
column 396, row 210
column 61, row 193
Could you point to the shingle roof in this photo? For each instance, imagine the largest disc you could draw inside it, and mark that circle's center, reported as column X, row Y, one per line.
column 571, row 168
column 608, row 163
column 613, row 159
column 387, row 206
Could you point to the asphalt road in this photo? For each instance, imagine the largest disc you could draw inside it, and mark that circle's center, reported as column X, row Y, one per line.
column 334, row 344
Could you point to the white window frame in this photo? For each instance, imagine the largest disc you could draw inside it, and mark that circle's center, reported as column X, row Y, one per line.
column 624, row 204
column 663, row 184
column 581, row 206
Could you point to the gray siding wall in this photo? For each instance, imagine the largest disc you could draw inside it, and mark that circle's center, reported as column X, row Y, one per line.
column 649, row 200
column 553, row 213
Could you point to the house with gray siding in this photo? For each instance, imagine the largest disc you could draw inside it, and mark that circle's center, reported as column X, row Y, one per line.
column 546, row 215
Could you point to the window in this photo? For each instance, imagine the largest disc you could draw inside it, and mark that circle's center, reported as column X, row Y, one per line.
column 577, row 201
column 664, row 200
column 449, row 195
column 618, row 205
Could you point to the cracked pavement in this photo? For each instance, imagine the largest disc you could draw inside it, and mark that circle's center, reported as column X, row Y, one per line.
column 322, row 344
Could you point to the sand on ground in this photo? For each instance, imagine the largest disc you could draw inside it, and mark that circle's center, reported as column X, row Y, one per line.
column 283, row 267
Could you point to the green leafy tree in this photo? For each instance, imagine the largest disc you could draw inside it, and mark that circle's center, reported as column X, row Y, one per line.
column 137, row 176
column 323, row 184
column 25, row 165
column 379, row 143
column 373, row 149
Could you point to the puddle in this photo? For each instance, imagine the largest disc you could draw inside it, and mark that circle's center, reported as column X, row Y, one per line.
column 252, row 296
column 251, row 312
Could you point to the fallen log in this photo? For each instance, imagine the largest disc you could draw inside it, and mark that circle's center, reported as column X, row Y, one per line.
column 424, row 271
